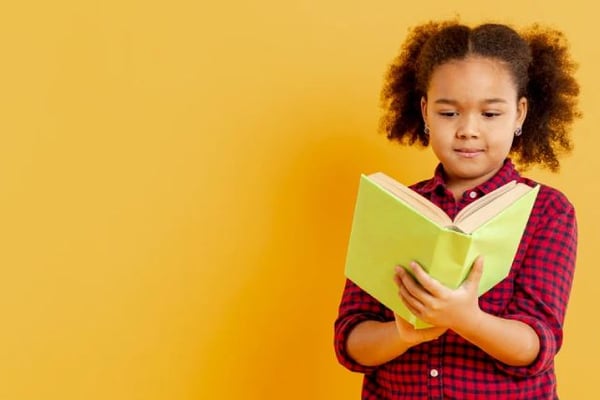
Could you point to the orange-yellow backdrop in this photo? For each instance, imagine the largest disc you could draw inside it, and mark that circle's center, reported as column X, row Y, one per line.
column 177, row 182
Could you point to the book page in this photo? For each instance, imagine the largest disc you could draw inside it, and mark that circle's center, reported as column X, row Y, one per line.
column 418, row 202
column 477, row 216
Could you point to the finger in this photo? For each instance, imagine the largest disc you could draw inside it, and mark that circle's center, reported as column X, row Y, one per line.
column 475, row 273
column 430, row 284
column 413, row 305
column 406, row 294
column 413, row 286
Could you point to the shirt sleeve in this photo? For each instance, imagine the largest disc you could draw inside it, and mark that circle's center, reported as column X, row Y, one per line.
column 543, row 284
column 356, row 306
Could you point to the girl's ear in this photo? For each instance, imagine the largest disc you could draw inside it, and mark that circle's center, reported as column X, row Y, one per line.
column 521, row 111
column 424, row 108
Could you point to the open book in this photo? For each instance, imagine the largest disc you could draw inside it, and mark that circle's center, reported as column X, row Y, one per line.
column 393, row 225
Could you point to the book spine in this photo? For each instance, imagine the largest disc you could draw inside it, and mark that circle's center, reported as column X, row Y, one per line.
column 451, row 261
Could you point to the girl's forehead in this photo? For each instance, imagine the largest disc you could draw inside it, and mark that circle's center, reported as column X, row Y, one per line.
column 472, row 73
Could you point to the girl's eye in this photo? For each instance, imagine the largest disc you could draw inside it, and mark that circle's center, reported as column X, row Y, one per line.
column 490, row 114
column 448, row 113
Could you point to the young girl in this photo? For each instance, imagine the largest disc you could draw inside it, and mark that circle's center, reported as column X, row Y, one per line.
column 476, row 95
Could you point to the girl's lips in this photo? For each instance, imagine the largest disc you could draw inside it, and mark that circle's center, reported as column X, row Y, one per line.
column 468, row 153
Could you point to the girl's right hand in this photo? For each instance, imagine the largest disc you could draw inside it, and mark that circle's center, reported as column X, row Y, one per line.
column 413, row 336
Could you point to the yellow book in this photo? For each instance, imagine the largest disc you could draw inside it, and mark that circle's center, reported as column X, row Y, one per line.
column 393, row 225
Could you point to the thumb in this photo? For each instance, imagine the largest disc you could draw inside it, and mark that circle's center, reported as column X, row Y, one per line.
column 476, row 272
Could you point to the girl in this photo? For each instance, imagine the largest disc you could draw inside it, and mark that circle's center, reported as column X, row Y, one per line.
column 476, row 95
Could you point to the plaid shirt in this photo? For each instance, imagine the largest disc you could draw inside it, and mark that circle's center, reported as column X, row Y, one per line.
column 535, row 292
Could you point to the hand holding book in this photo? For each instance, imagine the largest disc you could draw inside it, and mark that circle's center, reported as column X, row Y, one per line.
column 435, row 303
column 413, row 336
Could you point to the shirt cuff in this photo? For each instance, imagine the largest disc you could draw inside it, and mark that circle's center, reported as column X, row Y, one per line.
column 549, row 346
column 343, row 327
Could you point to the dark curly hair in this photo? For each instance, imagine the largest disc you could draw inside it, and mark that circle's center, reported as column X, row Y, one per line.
column 538, row 61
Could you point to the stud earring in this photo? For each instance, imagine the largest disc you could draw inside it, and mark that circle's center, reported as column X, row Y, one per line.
column 426, row 130
column 518, row 131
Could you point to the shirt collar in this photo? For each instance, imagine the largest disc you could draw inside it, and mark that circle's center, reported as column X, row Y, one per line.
column 504, row 175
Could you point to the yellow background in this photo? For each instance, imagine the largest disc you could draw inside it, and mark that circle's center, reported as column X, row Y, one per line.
column 177, row 181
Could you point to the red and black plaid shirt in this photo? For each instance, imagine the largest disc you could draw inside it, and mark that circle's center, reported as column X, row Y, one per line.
column 535, row 292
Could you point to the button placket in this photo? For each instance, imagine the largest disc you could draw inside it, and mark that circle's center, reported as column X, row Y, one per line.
column 434, row 385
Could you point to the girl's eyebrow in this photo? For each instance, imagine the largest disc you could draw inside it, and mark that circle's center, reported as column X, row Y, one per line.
column 485, row 101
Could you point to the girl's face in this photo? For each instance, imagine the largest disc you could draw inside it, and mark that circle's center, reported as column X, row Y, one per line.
column 472, row 112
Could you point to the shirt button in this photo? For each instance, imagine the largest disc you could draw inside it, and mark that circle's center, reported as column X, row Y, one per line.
column 434, row 373
column 473, row 195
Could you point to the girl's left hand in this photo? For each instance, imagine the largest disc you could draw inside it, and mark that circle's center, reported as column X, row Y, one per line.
column 436, row 304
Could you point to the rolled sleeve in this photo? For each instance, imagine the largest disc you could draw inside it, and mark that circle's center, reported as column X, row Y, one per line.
column 549, row 345
column 356, row 306
column 543, row 284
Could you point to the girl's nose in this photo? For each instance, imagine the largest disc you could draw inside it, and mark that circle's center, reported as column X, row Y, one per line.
column 468, row 129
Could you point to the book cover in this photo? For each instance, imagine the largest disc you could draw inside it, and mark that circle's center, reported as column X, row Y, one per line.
column 387, row 230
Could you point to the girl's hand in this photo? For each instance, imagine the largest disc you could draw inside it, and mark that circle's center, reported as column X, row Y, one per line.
column 413, row 336
column 436, row 304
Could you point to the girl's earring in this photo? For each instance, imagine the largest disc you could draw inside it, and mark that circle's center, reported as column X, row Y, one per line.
column 518, row 131
column 426, row 130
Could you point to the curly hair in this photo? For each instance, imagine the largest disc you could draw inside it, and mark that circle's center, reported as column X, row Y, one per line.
column 539, row 63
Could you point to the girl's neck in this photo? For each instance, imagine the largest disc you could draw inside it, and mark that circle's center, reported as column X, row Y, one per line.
column 458, row 189
column 458, row 186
